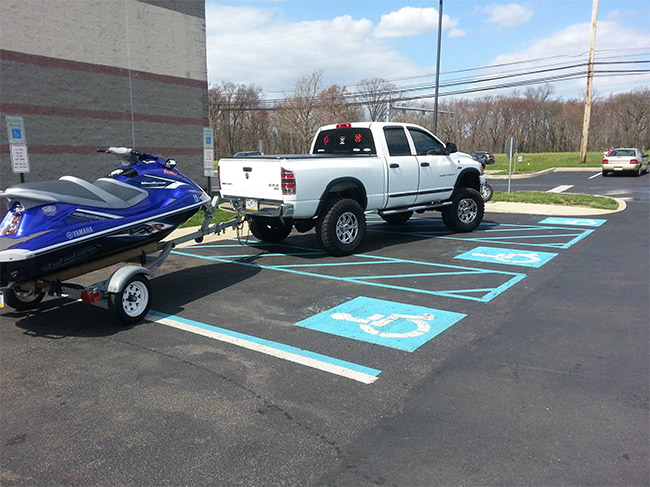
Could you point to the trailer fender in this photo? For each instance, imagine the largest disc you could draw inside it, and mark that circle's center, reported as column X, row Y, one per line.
column 121, row 276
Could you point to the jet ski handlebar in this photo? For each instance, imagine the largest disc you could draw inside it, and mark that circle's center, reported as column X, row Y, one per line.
column 126, row 155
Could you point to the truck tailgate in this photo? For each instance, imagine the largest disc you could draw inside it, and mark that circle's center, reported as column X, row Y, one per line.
column 251, row 177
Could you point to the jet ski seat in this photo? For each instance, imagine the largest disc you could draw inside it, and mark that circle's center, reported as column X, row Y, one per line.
column 104, row 193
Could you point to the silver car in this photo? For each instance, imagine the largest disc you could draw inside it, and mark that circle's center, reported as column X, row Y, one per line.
column 625, row 160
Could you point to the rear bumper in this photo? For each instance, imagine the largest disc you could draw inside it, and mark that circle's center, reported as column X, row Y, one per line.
column 264, row 207
column 618, row 167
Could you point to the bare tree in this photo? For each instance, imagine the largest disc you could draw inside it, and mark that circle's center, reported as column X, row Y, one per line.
column 375, row 94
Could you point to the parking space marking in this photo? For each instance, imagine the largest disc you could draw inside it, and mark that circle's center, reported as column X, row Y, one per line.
column 533, row 235
column 332, row 365
column 507, row 256
column 580, row 222
column 560, row 189
column 389, row 324
column 402, row 281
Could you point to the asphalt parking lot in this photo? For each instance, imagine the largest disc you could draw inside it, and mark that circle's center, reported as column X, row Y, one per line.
column 513, row 355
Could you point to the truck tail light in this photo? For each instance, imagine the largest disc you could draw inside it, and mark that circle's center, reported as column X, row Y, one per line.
column 344, row 126
column 288, row 181
column 634, row 161
column 605, row 161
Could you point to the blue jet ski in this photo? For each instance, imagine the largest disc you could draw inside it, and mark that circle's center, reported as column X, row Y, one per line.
column 53, row 226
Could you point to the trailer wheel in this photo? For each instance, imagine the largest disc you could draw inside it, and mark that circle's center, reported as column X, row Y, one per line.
column 132, row 303
column 342, row 227
column 466, row 211
column 267, row 229
column 23, row 297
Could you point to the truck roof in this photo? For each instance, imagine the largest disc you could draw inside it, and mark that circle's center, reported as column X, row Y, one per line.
column 369, row 125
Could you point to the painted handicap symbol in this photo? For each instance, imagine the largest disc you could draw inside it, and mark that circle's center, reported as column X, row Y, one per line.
column 507, row 256
column 380, row 322
column 371, row 324
column 581, row 222
column 512, row 258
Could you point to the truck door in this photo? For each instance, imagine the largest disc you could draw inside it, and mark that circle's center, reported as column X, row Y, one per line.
column 437, row 170
column 402, row 167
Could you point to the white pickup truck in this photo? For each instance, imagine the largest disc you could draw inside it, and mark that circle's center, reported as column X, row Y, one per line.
column 392, row 168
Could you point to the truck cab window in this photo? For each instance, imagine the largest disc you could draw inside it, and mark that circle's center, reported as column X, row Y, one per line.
column 398, row 144
column 425, row 145
column 345, row 141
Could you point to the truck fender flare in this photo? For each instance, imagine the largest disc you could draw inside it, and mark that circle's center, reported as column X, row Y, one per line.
column 469, row 178
column 349, row 185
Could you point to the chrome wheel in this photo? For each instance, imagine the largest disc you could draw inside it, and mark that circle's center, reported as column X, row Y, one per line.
column 347, row 228
column 467, row 210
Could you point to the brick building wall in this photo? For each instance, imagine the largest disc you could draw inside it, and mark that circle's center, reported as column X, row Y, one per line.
column 86, row 74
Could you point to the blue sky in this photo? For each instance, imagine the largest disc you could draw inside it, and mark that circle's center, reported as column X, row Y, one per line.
column 270, row 43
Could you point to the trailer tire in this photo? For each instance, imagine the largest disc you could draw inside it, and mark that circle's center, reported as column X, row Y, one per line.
column 465, row 212
column 271, row 230
column 131, row 304
column 342, row 227
column 23, row 297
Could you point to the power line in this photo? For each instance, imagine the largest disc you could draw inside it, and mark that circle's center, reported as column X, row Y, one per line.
column 507, row 81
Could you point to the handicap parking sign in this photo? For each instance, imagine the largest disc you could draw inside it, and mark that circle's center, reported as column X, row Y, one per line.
column 395, row 325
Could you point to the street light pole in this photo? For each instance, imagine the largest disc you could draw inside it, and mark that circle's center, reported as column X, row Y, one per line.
column 435, row 106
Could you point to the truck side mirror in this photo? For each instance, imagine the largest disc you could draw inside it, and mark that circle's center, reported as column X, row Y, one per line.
column 451, row 148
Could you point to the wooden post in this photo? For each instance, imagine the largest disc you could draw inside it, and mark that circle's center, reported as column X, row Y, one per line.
column 590, row 77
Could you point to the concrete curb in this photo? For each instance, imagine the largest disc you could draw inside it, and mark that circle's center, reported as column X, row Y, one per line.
column 553, row 210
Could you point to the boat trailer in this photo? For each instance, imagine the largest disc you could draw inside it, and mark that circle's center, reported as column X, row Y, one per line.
column 127, row 289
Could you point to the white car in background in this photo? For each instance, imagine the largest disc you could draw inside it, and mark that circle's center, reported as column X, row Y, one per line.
column 625, row 160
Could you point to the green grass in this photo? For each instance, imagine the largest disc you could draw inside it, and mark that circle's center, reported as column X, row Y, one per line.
column 535, row 162
column 561, row 199
column 219, row 216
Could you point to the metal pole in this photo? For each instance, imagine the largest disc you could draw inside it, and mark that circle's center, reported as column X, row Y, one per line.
column 435, row 105
column 590, row 77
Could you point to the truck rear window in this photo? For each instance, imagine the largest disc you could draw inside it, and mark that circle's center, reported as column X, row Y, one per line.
column 345, row 141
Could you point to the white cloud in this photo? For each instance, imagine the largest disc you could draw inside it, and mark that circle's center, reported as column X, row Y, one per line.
column 457, row 33
column 510, row 15
column 261, row 47
column 410, row 22
column 614, row 42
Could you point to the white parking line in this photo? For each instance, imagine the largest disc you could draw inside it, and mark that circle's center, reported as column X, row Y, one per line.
column 560, row 189
column 595, row 175
column 360, row 373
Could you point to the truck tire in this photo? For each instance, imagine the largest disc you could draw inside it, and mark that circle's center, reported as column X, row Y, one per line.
column 341, row 227
column 487, row 192
column 23, row 297
column 132, row 303
column 465, row 212
column 267, row 229
column 396, row 218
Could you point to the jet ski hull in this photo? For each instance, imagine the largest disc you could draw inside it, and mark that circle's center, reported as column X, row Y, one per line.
column 45, row 232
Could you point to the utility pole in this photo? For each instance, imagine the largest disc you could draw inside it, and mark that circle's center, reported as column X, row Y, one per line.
column 590, row 78
column 435, row 105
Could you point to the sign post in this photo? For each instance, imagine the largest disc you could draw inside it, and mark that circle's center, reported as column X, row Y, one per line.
column 511, row 150
column 17, row 145
column 208, row 156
